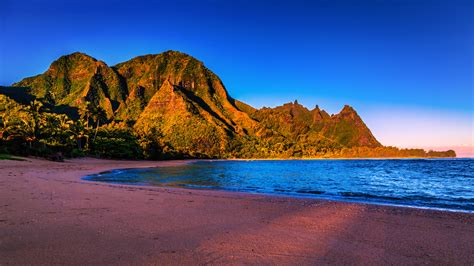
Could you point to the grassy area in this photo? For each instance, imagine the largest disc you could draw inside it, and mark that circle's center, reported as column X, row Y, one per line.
column 4, row 156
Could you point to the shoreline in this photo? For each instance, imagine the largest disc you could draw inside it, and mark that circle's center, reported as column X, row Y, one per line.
column 340, row 199
column 340, row 158
column 276, row 194
column 50, row 215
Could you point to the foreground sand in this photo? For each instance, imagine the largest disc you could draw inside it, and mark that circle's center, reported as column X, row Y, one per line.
column 49, row 216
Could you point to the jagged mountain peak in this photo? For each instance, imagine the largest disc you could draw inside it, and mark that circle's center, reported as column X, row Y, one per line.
column 347, row 109
column 347, row 112
column 292, row 106
column 319, row 114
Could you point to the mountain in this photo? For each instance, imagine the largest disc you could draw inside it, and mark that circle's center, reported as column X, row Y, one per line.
column 293, row 120
column 178, row 102
column 73, row 79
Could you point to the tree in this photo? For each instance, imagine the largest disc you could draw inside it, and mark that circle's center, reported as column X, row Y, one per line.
column 98, row 115
column 57, row 128
column 29, row 125
column 82, row 127
column 35, row 108
column 4, row 125
column 27, row 129
column 79, row 132
column 85, row 112
column 64, row 125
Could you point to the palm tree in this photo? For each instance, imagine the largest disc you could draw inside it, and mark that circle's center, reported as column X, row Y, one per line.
column 27, row 130
column 28, row 127
column 8, row 118
column 85, row 112
column 98, row 115
column 58, row 127
column 35, row 108
column 64, row 124
column 4, row 125
column 32, row 128
column 80, row 131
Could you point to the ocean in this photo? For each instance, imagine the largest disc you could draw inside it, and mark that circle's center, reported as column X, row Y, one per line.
column 428, row 183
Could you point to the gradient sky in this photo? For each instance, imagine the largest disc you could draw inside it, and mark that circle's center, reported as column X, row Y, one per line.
column 405, row 65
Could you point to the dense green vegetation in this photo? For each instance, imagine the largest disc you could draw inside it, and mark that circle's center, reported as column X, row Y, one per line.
column 4, row 156
column 32, row 130
column 168, row 106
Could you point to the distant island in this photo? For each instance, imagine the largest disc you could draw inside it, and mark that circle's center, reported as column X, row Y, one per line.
column 166, row 106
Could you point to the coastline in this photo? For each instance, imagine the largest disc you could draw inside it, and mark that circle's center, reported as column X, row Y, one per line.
column 335, row 198
column 50, row 215
column 341, row 158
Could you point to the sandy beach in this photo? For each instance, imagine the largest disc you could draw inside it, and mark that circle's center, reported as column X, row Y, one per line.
column 48, row 215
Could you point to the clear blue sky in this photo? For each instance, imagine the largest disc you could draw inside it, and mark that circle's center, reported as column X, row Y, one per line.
column 401, row 63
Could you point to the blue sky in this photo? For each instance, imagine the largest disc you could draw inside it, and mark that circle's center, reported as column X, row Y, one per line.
column 405, row 65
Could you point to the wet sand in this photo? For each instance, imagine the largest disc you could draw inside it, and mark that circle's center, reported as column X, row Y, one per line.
column 48, row 215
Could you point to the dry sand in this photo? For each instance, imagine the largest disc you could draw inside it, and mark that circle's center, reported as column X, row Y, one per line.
column 48, row 215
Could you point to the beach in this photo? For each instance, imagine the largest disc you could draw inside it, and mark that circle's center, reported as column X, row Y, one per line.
column 48, row 215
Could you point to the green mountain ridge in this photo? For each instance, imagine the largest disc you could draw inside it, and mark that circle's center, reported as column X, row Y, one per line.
column 177, row 102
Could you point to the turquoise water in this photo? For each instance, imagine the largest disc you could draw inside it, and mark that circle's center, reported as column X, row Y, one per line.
column 432, row 183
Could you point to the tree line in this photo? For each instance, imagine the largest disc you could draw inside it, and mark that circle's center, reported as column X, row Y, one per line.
column 35, row 130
